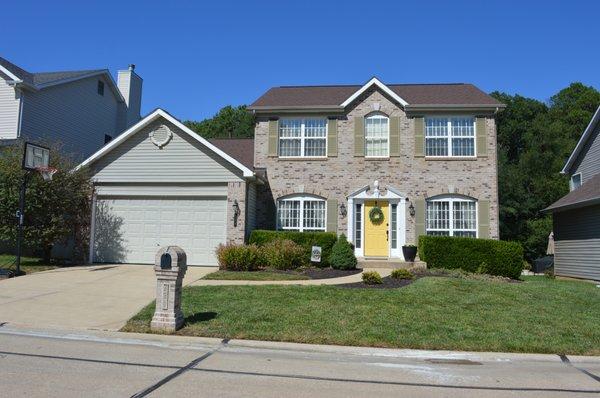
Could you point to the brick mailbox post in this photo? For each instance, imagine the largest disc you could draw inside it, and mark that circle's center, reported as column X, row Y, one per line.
column 170, row 266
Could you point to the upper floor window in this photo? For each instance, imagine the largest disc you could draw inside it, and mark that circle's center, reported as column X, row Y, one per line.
column 575, row 181
column 100, row 87
column 303, row 137
column 377, row 134
column 450, row 136
column 301, row 213
column 451, row 216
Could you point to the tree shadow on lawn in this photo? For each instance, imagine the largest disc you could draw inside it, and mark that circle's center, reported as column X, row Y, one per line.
column 199, row 317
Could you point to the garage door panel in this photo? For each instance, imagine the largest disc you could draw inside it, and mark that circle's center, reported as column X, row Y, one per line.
column 130, row 230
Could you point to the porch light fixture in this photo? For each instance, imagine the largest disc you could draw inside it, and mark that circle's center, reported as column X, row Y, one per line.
column 411, row 210
column 343, row 210
column 236, row 212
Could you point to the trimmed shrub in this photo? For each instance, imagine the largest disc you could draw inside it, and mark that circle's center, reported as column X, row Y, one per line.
column 494, row 257
column 342, row 254
column 372, row 278
column 402, row 273
column 305, row 239
column 283, row 254
column 233, row 257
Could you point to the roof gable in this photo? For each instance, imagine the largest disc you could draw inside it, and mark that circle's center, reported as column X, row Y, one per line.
column 587, row 134
column 374, row 82
column 157, row 114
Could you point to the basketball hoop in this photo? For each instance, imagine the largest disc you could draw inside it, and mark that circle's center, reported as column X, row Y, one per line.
column 46, row 172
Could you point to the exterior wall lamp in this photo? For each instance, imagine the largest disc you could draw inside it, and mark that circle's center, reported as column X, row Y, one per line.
column 343, row 210
column 411, row 210
column 236, row 212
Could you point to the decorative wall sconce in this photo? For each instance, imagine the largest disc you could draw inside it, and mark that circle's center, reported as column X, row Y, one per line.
column 343, row 210
column 236, row 212
column 411, row 210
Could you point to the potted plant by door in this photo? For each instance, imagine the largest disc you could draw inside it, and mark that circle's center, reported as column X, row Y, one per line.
column 410, row 252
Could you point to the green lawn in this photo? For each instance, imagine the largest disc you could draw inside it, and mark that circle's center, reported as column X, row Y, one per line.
column 29, row 265
column 539, row 315
column 253, row 276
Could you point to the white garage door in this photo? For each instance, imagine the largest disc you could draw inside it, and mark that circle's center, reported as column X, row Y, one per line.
column 130, row 230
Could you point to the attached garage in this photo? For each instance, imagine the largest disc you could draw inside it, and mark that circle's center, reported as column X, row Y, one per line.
column 160, row 184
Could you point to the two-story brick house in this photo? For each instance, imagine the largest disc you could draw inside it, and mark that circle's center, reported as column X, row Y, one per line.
column 382, row 164
column 424, row 154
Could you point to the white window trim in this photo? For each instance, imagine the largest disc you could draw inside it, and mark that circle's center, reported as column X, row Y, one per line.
column 377, row 116
column 451, row 200
column 303, row 138
column 449, row 138
column 301, row 199
column 571, row 185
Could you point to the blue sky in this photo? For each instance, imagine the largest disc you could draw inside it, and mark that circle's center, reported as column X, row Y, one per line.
column 196, row 57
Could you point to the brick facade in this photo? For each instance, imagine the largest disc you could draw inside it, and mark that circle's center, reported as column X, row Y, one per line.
column 336, row 177
column 236, row 227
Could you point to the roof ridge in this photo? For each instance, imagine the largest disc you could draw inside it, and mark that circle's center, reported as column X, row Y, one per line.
column 69, row 71
column 387, row 84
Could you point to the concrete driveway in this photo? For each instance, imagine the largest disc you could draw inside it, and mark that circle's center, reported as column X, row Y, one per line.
column 91, row 297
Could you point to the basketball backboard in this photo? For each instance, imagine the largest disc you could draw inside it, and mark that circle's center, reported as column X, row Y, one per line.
column 35, row 157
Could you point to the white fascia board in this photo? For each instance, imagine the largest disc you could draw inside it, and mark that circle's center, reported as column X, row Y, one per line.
column 580, row 144
column 10, row 74
column 380, row 85
column 147, row 120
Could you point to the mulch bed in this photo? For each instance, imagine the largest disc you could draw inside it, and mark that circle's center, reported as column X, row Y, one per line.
column 388, row 283
column 322, row 273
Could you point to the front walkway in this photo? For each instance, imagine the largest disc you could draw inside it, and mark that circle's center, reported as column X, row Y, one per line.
column 101, row 296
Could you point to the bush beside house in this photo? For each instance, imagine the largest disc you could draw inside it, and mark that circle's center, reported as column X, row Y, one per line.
column 283, row 254
column 232, row 257
column 342, row 254
column 306, row 240
column 487, row 256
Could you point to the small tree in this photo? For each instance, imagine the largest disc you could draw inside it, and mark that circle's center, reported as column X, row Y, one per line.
column 342, row 254
column 55, row 211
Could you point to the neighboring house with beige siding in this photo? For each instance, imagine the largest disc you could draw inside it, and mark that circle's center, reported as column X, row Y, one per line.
column 576, row 216
column 79, row 110
column 421, row 155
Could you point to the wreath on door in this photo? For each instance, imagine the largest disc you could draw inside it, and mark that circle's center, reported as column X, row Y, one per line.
column 376, row 215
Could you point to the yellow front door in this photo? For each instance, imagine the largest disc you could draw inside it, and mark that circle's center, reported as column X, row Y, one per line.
column 376, row 234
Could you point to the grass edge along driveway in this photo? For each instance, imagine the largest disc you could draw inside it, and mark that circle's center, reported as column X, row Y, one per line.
column 539, row 315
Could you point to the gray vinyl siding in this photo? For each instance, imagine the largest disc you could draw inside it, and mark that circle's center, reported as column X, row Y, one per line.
column 73, row 115
column 183, row 159
column 588, row 161
column 9, row 111
column 251, row 203
column 577, row 242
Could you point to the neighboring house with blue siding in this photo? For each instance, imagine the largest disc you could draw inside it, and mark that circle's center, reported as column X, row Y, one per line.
column 79, row 110
column 576, row 216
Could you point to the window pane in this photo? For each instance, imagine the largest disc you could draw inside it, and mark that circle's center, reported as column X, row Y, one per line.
column 358, row 226
column 438, row 217
column 315, row 128
column 314, row 147
column 314, row 215
column 289, row 128
column 436, row 147
column 289, row 214
column 376, row 136
column 463, row 136
column 464, row 216
column 394, row 222
column 436, row 127
column 289, row 147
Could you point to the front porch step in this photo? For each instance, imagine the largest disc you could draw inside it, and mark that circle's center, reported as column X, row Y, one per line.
column 388, row 263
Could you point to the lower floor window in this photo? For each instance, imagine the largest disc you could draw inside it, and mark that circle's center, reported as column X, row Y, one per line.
column 358, row 226
column 394, row 226
column 452, row 216
column 301, row 213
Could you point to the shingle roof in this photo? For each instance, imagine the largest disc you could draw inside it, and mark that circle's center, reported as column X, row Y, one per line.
column 587, row 194
column 414, row 94
column 40, row 78
column 241, row 149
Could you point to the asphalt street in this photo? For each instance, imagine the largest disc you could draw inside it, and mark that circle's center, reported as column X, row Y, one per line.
column 78, row 364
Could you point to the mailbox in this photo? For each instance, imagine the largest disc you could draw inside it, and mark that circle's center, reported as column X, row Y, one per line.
column 170, row 266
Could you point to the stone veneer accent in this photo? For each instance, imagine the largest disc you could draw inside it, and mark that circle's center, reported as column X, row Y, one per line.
column 336, row 177
column 236, row 191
